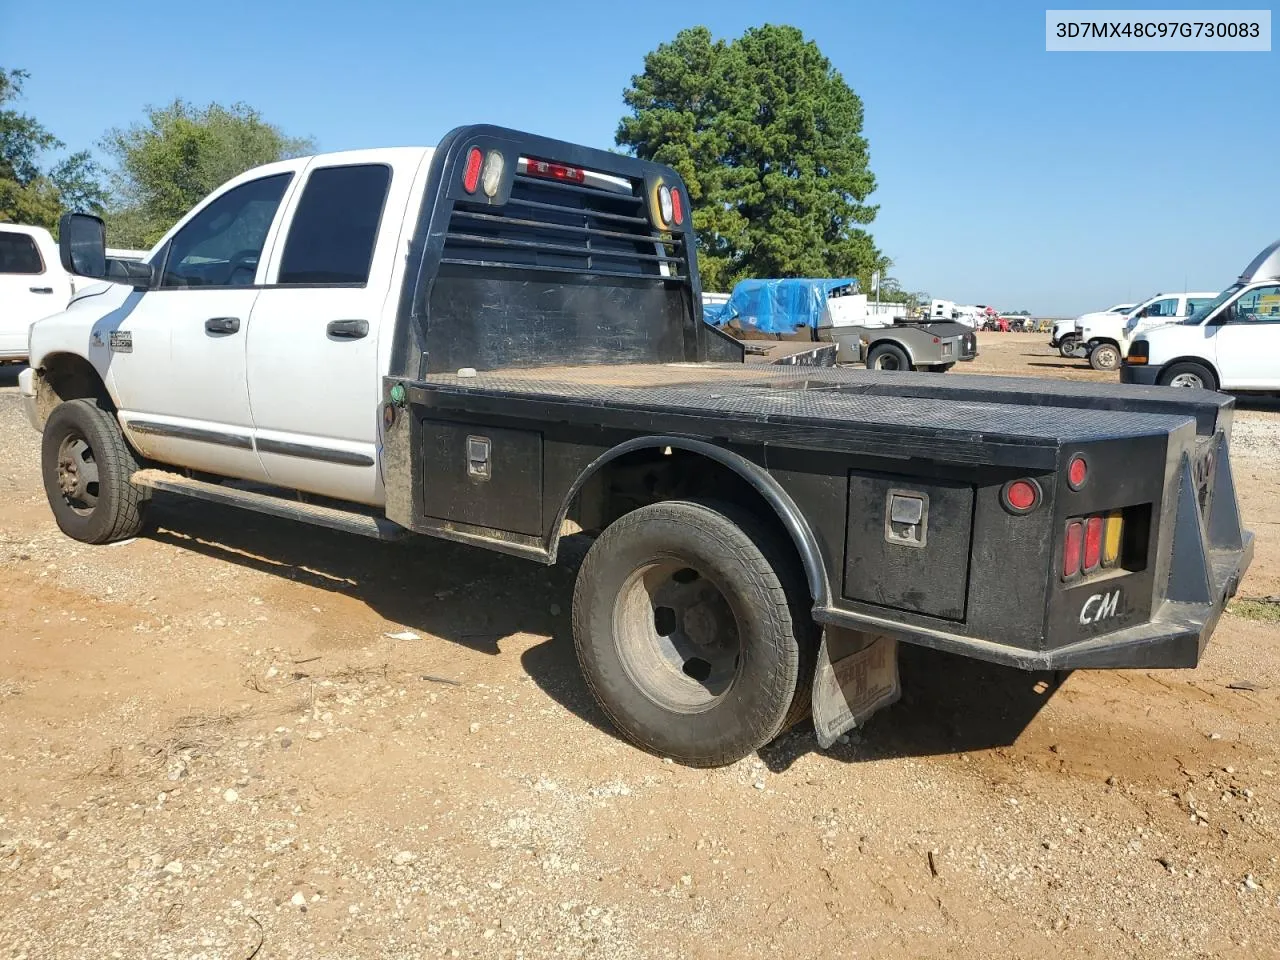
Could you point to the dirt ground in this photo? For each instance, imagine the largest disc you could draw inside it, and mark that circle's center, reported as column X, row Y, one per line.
column 212, row 749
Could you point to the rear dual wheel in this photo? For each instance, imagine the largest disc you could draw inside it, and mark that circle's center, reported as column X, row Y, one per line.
column 692, row 629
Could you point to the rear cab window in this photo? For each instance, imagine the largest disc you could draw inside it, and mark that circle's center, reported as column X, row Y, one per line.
column 335, row 226
column 19, row 254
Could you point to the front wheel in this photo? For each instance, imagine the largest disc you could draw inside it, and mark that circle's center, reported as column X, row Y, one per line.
column 1195, row 376
column 86, row 467
column 888, row 356
column 1104, row 356
column 1067, row 346
column 692, row 631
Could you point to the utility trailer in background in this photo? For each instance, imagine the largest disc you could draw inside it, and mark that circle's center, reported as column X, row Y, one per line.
column 537, row 363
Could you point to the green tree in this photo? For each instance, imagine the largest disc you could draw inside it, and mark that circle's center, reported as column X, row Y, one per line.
column 768, row 137
column 28, row 193
column 167, row 164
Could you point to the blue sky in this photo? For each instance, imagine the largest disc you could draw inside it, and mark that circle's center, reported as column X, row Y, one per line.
column 1006, row 175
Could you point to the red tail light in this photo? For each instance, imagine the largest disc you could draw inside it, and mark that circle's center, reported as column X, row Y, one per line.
column 677, row 207
column 1072, row 550
column 1021, row 496
column 555, row 171
column 471, row 176
column 1092, row 543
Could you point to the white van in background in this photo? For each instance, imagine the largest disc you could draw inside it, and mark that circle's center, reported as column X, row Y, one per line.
column 1230, row 343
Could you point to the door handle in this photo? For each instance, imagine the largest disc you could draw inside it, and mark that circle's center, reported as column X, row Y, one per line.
column 222, row 325
column 41, row 289
column 348, row 329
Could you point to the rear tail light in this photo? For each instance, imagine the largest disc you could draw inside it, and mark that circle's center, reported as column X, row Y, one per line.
column 1072, row 549
column 555, row 171
column 1111, row 539
column 665, row 206
column 677, row 207
column 471, row 175
column 491, row 176
column 1092, row 544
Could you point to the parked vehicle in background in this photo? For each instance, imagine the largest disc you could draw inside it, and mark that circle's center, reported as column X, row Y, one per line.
column 882, row 342
column 1064, row 331
column 32, row 285
column 1105, row 337
column 1230, row 343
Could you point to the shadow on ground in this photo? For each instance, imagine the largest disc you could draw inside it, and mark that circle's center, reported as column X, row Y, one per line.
column 476, row 598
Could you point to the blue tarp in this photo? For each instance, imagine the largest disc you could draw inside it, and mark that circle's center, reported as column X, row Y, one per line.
column 777, row 306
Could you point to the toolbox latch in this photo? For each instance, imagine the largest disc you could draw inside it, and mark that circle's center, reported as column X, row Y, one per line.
column 479, row 466
column 906, row 518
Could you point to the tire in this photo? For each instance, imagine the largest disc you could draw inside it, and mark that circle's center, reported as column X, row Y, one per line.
column 888, row 356
column 1104, row 356
column 723, row 671
column 1188, row 374
column 1067, row 346
column 86, row 466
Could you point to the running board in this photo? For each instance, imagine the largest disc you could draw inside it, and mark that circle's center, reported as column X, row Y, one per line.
column 350, row 521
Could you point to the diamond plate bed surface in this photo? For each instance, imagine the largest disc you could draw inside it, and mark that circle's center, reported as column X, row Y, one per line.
column 834, row 397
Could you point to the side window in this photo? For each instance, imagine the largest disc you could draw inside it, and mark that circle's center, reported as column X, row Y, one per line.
column 19, row 254
column 1163, row 308
column 1257, row 306
column 221, row 245
column 1195, row 303
column 335, row 226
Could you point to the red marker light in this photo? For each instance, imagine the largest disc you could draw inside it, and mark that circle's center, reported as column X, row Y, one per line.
column 677, row 207
column 1077, row 472
column 471, row 176
column 1092, row 543
column 1021, row 495
column 1072, row 549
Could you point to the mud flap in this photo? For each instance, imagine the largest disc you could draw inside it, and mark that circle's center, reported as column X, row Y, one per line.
column 857, row 674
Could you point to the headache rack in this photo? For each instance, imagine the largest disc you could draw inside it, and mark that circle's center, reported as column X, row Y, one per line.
column 537, row 252
column 562, row 227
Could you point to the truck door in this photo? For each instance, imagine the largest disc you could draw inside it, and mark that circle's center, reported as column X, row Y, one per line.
column 30, row 289
column 176, row 351
column 313, row 360
column 1247, row 341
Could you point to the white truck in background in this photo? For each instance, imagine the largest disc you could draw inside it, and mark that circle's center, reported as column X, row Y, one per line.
column 33, row 285
column 1064, row 331
column 1105, row 337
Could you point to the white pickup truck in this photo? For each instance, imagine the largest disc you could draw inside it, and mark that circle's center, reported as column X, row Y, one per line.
column 1231, row 342
column 33, row 284
column 1064, row 331
column 499, row 341
column 1106, row 336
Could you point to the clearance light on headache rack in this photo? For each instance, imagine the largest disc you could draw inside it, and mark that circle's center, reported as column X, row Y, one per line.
column 554, row 171
column 491, row 175
column 665, row 206
column 471, row 173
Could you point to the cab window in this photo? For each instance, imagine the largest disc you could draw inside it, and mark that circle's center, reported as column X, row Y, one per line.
column 222, row 244
column 1162, row 308
column 19, row 254
column 335, row 226
column 1257, row 306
